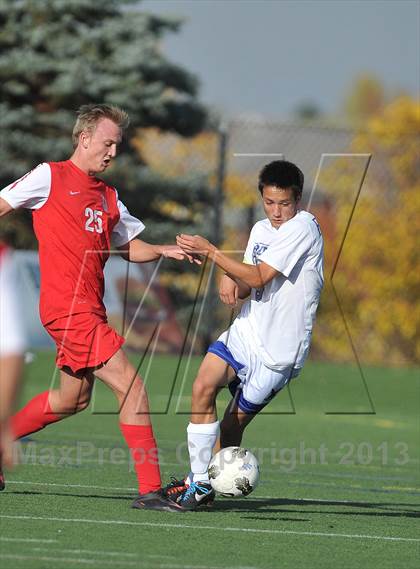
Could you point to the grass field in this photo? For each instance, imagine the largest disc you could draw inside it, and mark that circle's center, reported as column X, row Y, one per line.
column 338, row 489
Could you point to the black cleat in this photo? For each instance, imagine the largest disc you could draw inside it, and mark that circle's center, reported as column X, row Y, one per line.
column 174, row 489
column 155, row 501
column 196, row 495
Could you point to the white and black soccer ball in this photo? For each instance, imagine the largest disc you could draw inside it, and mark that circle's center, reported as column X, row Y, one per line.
column 234, row 471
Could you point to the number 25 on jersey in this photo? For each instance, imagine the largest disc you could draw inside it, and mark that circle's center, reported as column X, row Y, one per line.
column 94, row 220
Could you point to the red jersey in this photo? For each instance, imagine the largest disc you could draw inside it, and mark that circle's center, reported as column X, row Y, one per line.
column 74, row 229
column 74, row 217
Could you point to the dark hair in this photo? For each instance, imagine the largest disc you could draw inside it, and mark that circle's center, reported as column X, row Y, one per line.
column 282, row 174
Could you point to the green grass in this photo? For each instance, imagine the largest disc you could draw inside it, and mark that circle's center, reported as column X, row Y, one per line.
column 351, row 501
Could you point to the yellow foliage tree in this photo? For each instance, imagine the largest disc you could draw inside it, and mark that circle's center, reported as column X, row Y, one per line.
column 377, row 276
column 365, row 99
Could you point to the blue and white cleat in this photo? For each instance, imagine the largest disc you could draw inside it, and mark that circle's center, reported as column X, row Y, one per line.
column 196, row 495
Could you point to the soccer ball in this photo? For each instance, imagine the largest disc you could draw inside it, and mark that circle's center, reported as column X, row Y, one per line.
column 234, row 471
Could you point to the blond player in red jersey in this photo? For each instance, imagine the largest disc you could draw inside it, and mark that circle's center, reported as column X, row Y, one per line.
column 77, row 219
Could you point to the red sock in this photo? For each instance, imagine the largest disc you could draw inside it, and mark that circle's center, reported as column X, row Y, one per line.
column 144, row 453
column 36, row 415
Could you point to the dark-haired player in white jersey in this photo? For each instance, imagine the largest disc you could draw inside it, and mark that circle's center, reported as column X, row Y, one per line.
column 268, row 342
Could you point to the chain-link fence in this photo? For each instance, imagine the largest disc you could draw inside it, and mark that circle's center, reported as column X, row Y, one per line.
column 346, row 172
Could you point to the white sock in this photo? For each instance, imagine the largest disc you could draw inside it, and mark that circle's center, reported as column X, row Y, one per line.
column 201, row 440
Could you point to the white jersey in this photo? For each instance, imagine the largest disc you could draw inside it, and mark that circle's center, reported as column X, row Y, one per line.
column 277, row 319
column 32, row 192
column 12, row 334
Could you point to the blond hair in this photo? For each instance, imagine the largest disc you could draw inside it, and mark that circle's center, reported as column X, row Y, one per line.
column 88, row 117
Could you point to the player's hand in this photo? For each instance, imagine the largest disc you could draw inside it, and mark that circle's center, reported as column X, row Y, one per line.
column 175, row 252
column 194, row 244
column 228, row 291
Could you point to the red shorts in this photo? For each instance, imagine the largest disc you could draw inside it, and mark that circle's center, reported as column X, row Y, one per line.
column 83, row 340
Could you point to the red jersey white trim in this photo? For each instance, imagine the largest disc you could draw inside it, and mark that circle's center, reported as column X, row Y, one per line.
column 75, row 216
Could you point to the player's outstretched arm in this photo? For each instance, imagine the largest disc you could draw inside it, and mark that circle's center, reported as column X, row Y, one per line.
column 138, row 251
column 5, row 207
column 254, row 276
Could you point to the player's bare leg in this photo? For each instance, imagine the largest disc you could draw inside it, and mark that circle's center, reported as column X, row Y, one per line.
column 135, row 424
column 73, row 394
column 11, row 367
column 120, row 376
column 214, row 373
column 202, row 432
column 233, row 425
column 10, row 376
column 202, row 438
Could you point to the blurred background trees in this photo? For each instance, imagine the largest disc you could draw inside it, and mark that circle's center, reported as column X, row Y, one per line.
column 366, row 97
column 56, row 56
column 377, row 279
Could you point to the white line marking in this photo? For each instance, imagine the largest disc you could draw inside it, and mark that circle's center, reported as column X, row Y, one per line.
column 109, row 553
column 110, row 488
column 132, row 489
column 186, row 526
column 87, row 551
column 64, row 559
column 28, row 540
column 110, row 562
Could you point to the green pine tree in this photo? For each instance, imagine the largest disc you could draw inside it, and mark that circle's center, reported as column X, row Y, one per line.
column 59, row 54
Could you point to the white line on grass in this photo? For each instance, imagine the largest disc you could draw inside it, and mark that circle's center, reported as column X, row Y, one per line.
column 95, row 552
column 28, row 540
column 212, row 528
column 110, row 488
column 86, row 551
column 132, row 489
column 113, row 562
column 105, row 553
column 122, row 554
column 349, row 486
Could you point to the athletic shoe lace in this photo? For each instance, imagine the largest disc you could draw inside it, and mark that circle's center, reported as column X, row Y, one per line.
column 192, row 489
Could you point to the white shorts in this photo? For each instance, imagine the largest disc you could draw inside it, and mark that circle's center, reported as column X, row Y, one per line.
column 256, row 384
column 12, row 336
